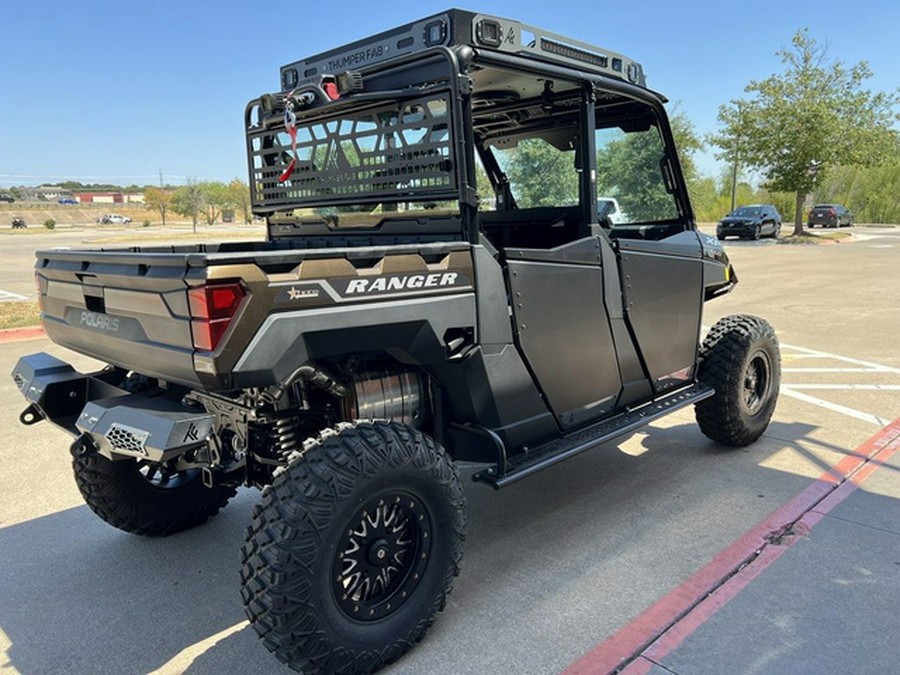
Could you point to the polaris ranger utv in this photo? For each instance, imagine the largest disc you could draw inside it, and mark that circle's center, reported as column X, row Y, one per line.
column 435, row 287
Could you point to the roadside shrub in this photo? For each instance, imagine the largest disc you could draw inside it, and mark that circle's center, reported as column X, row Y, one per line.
column 50, row 224
column 146, row 222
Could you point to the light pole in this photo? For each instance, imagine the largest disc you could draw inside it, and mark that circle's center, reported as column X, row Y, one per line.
column 737, row 149
column 734, row 180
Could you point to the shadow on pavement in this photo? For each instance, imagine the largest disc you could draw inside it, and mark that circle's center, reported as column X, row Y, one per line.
column 552, row 565
column 82, row 597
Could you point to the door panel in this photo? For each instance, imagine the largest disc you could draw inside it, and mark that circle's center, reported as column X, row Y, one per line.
column 563, row 331
column 663, row 289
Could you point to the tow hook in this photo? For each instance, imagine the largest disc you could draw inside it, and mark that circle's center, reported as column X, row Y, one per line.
column 83, row 446
column 31, row 415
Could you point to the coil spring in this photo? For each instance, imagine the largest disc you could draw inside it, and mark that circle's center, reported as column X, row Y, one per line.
column 287, row 436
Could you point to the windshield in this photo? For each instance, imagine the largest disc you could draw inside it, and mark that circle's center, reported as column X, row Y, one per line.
column 747, row 211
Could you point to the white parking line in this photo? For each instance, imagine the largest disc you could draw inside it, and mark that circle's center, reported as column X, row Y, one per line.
column 834, row 370
column 862, row 368
column 877, row 367
column 7, row 295
column 848, row 387
column 834, row 407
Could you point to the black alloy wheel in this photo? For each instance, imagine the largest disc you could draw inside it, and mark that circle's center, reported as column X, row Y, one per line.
column 381, row 560
column 757, row 382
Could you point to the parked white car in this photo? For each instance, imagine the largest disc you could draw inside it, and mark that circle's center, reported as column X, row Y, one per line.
column 609, row 207
column 113, row 219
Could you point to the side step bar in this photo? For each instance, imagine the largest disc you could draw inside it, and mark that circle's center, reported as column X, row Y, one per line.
column 543, row 456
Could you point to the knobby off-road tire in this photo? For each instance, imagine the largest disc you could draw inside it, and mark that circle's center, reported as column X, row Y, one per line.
column 352, row 549
column 740, row 359
column 143, row 498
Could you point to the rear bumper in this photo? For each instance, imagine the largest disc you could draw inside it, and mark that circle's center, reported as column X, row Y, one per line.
column 103, row 415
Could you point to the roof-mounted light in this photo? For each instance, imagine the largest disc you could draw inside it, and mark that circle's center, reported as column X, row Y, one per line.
column 489, row 33
column 435, row 33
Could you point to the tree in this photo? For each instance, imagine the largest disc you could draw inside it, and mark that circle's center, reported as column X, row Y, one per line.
column 870, row 192
column 188, row 201
column 687, row 142
column 216, row 196
column 158, row 199
column 628, row 168
column 239, row 198
column 798, row 125
column 542, row 175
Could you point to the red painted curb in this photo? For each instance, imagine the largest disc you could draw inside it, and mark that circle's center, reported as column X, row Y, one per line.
column 19, row 334
column 664, row 625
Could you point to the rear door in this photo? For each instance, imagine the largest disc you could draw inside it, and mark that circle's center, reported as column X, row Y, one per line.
column 563, row 328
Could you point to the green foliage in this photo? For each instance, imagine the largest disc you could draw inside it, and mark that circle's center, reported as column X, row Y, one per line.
column 704, row 197
column 188, row 201
column 209, row 199
column 686, row 141
column 146, row 222
column 869, row 192
column 50, row 224
column 798, row 125
column 76, row 186
column 239, row 199
column 216, row 197
column 541, row 175
column 158, row 199
column 628, row 168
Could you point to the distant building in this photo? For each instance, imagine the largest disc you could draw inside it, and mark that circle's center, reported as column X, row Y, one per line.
column 44, row 193
column 110, row 198
column 101, row 197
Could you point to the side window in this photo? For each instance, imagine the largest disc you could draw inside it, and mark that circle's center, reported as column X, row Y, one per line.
column 630, row 175
column 540, row 174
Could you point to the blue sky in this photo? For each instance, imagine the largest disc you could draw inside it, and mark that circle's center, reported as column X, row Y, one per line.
column 117, row 91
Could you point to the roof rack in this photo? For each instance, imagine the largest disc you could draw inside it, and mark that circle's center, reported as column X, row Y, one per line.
column 457, row 27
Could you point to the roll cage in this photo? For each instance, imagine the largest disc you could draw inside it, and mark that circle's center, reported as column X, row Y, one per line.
column 393, row 148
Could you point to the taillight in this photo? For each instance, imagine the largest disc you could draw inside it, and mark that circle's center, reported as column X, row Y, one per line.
column 832, row 212
column 212, row 308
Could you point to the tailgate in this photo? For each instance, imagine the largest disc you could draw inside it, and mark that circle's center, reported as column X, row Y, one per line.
column 128, row 308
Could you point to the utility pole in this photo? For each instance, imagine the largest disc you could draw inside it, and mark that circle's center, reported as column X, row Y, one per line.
column 734, row 181
column 734, row 168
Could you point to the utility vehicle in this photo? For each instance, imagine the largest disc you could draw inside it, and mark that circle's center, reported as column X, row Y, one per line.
column 436, row 287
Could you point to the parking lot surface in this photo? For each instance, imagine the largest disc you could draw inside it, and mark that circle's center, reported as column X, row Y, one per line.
column 575, row 568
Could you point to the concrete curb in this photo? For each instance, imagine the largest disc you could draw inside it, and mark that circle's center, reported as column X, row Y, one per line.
column 20, row 334
column 663, row 626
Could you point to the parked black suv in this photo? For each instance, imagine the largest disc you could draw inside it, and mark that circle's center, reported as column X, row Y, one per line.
column 830, row 215
column 752, row 222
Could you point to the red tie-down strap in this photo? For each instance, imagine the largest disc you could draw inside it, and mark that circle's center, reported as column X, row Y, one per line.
column 290, row 125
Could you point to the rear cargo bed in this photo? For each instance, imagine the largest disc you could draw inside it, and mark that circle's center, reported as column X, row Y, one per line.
column 131, row 307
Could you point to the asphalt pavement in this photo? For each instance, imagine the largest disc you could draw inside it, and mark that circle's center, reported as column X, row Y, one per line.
column 666, row 554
